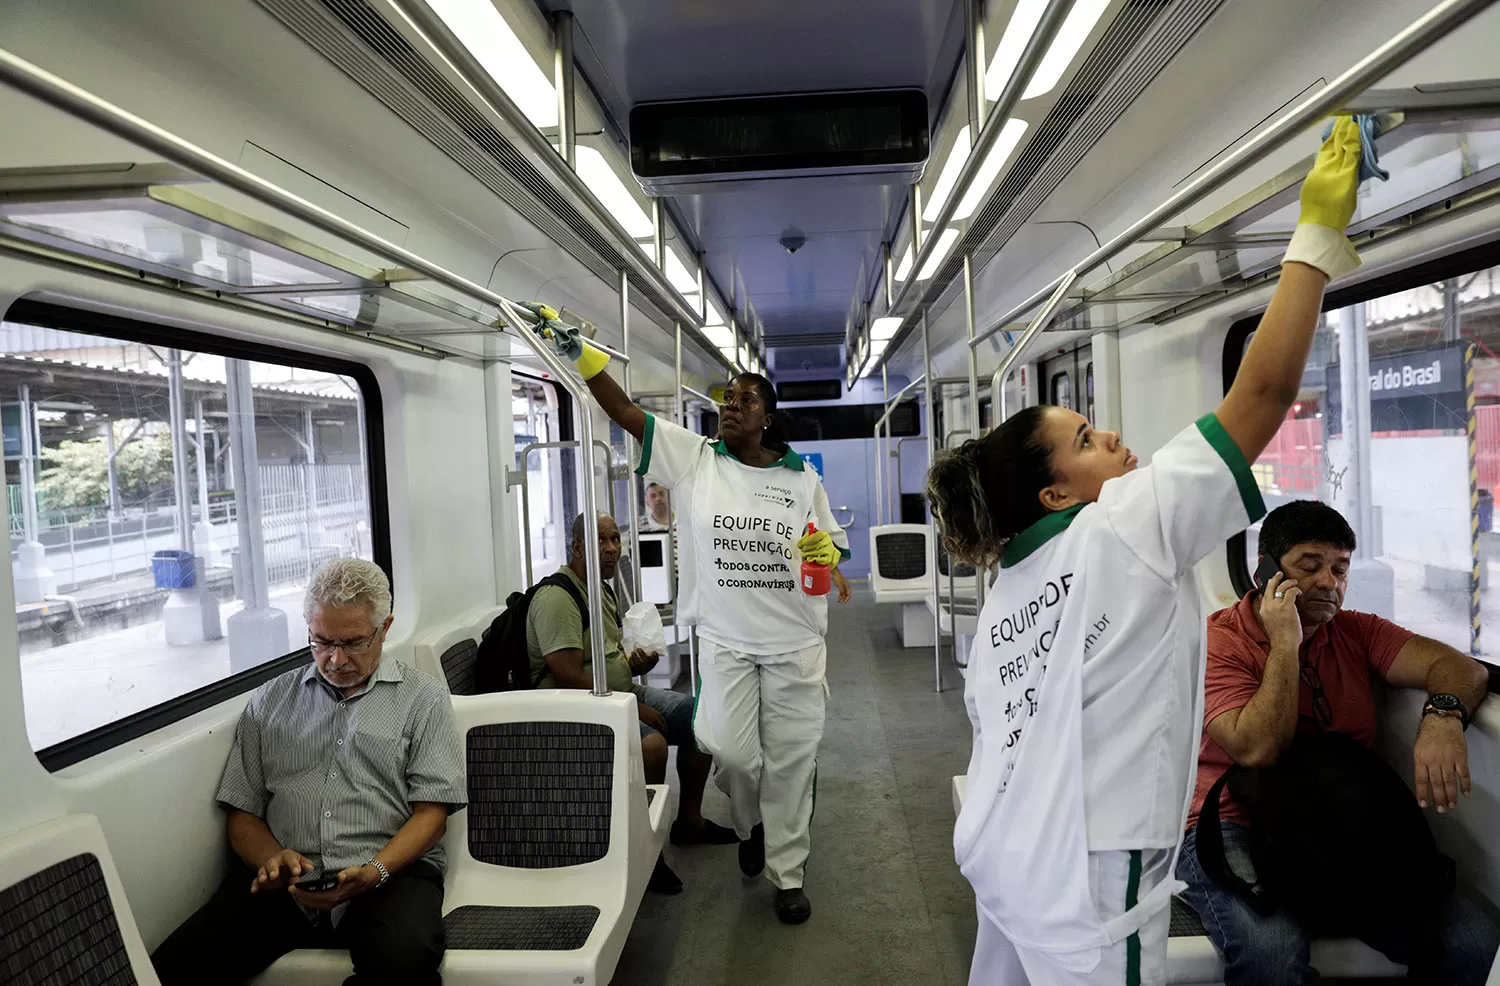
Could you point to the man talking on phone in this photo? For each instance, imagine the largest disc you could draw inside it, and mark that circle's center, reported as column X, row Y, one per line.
column 338, row 788
column 1290, row 659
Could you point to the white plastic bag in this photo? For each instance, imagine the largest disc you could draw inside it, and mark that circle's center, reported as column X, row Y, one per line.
column 643, row 630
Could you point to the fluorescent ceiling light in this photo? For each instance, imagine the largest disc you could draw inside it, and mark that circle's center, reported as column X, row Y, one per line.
column 1005, row 145
column 939, row 254
column 682, row 279
column 877, row 349
column 719, row 335
column 481, row 29
column 613, row 195
column 885, row 328
column 714, row 316
column 903, row 269
column 729, row 353
column 1070, row 37
column 949, row 176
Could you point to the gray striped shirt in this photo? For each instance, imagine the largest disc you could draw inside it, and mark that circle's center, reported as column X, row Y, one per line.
column 334, row 778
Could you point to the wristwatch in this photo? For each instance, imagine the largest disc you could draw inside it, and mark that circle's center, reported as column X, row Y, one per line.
column 1444, row 704
column 385, row 874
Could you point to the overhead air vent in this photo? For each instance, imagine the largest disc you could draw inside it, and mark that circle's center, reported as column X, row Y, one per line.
column 700, row 145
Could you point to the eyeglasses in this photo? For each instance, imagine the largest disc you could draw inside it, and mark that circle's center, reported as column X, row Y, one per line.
column 1322, row 716
column 351, row 648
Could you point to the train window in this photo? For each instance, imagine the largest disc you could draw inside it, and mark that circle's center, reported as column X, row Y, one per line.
column 1394, row 379
column 1088, row 391
column 536, row 411
column 1062, row 390
column 169, row 496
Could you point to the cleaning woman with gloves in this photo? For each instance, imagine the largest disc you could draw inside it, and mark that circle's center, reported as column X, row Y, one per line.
column 1085, row 687
column 744, row 506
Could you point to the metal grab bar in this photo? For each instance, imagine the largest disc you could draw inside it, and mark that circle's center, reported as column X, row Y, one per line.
column 1012, row 355
column 853, row 515
column 1421, row 33
column 522, row 482
column 880, row 450
column 75, row 101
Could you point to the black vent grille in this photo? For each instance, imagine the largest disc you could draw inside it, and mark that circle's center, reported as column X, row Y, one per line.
column 1113, row 76
column 388, row 68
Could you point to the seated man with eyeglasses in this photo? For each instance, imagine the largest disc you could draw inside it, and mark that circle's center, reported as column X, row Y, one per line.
column 1286, row 659
column 345, row 770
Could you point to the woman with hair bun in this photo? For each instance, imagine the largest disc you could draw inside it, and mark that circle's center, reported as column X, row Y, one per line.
column 1085, row 686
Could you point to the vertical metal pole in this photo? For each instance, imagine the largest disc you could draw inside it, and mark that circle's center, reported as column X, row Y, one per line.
column 1354, row 371
column 932, row 554
column 564, row 74
column 974, row 65
column 632, row 503
column 1475, row 649
column 659, row 234
column 890, row 276
column 202, row 460
column 702, row 289
column 880, row 457
column 677, row 363
column 916, row 229
column 309, row 486
column 979, row 576
column 113, row 477
column 28, row 466
column 177, row 414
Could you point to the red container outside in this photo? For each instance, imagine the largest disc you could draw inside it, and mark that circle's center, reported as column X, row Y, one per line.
column 816, row 579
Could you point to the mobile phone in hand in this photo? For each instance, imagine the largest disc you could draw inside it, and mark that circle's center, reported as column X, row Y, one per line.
column 1265, row 570
column 317, row 883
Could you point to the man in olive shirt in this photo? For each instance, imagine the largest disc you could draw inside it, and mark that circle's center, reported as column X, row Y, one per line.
column 560, row 654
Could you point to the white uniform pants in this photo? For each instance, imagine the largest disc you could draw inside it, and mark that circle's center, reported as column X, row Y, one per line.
column 1138, row 960
column 761, row 717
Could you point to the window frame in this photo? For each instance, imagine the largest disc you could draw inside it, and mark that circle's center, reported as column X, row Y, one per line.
column 46, row 314
column 1419, row 275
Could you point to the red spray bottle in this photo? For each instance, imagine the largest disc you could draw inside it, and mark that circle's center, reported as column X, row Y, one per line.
column 816, row 579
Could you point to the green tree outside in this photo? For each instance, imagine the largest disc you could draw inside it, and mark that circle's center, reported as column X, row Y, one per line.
column 76, row 474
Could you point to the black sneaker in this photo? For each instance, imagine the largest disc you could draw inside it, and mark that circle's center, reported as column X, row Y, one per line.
column 664, row 881
column 792, row 906
column 753, row 852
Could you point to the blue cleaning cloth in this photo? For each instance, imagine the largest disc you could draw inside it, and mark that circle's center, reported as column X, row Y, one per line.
column 1370, row 127
column 567, row 338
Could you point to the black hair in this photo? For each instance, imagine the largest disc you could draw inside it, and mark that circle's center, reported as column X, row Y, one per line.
column 773, row 437
column 986, row 491
column 1300, row 522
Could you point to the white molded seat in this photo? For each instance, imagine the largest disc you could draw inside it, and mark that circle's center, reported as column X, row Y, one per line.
column 450, row 655
column 520, row 905
column 962, row 618
column 59, row 890
column 1192, row 959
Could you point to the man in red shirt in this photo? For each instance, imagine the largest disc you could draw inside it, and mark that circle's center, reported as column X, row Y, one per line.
column 1288, row 659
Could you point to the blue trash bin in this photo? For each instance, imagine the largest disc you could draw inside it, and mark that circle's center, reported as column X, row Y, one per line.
column 1486, row 510
column 173, row 569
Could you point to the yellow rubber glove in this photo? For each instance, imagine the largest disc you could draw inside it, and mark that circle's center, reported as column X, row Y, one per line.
column 568, row 340
column 818, row 548
column 1328, row 198
column 1329, row 191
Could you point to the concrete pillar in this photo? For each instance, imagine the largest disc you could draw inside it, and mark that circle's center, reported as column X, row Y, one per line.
column 34, row 580
column 258, row 632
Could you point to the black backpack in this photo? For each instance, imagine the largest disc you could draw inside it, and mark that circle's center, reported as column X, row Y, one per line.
column 1337, row 841
column 503, row 663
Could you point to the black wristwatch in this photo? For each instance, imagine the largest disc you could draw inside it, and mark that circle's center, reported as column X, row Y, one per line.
column 1444, row 704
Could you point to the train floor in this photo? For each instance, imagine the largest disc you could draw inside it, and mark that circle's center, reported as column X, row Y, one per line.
column 889, row 905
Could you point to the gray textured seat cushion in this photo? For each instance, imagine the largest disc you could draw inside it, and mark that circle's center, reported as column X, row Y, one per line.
column 58, row 927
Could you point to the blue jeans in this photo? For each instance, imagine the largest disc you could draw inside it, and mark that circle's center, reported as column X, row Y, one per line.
column 675, row 707
column 1273, row 951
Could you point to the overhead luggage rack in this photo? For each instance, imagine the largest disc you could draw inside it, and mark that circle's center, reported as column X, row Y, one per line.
column 1442, row 159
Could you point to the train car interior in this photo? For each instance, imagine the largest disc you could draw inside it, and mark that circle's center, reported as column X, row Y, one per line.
column 264, row 276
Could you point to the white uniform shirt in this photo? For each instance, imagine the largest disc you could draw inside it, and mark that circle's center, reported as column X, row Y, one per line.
column 1106, row 586
column 738, row 571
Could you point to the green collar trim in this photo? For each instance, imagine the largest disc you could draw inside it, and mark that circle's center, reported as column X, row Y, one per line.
column 791, row 460
column 1020, row 547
